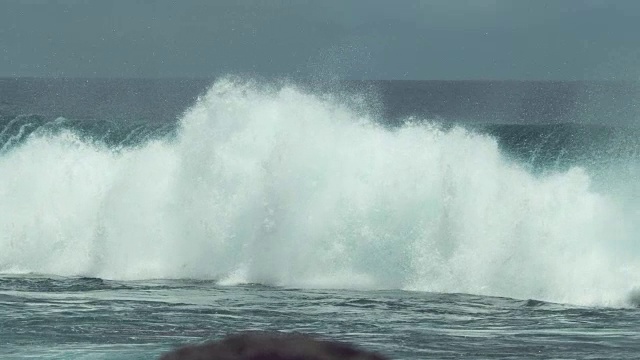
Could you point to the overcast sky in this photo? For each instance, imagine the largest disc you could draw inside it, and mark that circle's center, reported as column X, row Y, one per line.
column 363, row 39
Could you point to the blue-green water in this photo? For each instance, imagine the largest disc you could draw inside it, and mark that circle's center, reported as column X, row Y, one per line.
column 84, row 318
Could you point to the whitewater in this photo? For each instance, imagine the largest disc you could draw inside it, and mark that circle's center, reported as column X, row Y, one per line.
column 276, row 185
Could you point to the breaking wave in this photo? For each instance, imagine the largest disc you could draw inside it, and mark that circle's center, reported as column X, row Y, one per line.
column 275, row 185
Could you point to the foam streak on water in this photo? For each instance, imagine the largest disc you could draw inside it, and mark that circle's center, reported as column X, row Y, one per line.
column 277, row 186
column 84, row 318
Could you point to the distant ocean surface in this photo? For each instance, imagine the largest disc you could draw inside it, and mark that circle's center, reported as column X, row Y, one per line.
column 420, row 219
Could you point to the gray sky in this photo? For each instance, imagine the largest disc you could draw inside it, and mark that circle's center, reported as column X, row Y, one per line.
column 364, row 39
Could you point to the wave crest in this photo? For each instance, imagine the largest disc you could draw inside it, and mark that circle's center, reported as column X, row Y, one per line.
column 275, row 185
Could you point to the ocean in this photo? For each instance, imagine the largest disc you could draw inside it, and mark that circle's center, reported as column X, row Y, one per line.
column 419, row 219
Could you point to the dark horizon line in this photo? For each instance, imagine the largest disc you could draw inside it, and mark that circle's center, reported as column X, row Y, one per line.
column 312, row 79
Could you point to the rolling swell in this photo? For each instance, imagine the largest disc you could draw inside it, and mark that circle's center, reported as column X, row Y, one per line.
column 277, row 186
column 17, row 129
column 559, row 146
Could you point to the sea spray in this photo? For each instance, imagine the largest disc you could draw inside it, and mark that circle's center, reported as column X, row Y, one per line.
column 275, row 185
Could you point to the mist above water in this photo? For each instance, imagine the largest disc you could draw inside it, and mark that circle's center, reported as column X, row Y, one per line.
column 272, row 184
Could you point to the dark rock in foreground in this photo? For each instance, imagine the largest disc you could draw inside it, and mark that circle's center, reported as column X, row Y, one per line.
column 270, row 346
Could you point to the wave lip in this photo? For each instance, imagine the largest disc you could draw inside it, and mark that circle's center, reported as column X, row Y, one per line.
column 271, row 184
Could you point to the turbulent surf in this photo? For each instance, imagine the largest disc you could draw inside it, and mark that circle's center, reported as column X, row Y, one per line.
column 278, row 185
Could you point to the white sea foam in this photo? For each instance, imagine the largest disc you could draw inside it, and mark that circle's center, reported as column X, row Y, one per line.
column 278, row 186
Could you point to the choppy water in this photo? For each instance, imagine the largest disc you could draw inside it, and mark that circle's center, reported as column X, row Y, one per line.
column 86, row 318
column 273, row 206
